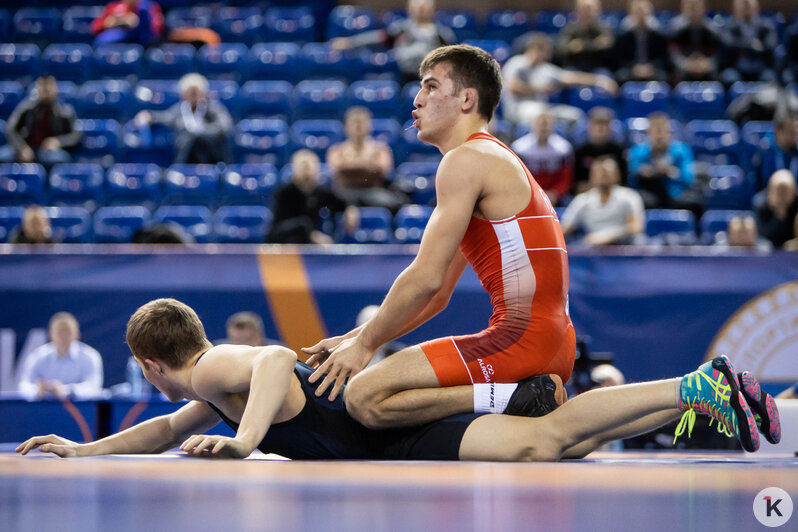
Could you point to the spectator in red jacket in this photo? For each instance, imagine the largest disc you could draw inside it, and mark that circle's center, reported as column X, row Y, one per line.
column 133, row 21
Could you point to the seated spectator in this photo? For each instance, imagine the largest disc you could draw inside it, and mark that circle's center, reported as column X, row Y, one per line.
column 750, row 44
column 530, row 80
column 641, row 49
column 742, row 233
column 607, row 213
column 201, row 125
column 780, row 154
column 695, row 44
column 661, row 168
column 362, row 164
column 792, row 244
column 64, row 367
column 776, row 212
column 133, row 21
column 299, row 205
column 599, row 142
column 411, row 38
column 246, row 328
column 41, row 129
column 35, row 228
column 586, row 43
column 548, row 156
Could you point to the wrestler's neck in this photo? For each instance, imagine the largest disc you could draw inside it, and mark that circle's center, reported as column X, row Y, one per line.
column 466, row 126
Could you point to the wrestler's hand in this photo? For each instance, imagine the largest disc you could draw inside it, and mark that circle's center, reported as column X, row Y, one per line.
column 321, row 351
column 347, row 360
column 51, row 444
column 205, row 446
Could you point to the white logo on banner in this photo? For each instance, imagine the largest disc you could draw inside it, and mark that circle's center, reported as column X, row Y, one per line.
column 762, row 336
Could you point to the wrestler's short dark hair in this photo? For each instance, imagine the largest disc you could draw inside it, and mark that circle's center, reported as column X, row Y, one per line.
column 165, row 330
column 472, row 68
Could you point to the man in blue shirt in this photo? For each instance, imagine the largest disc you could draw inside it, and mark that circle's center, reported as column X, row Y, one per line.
column 63, row 367
column 782, row 154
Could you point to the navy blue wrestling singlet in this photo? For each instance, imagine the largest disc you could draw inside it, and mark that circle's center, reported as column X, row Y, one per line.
column 324, row 430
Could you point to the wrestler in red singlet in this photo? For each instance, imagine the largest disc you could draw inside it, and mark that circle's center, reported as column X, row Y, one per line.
column 522, row 262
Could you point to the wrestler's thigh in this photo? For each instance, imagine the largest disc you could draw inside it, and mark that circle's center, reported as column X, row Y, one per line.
column 407, row 369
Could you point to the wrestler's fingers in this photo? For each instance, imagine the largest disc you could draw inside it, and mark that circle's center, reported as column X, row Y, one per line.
column 204, row 444
column 328, row 380
column 190, row 442
column 219, row 446
column 321, row 370
column 339, row 383
column 318, row 358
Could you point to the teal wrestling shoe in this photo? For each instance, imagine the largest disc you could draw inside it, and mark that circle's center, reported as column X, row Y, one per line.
column 762, row 405
column 713, row 390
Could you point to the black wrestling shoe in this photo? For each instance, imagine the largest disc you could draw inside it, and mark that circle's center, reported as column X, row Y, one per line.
column 537, row 396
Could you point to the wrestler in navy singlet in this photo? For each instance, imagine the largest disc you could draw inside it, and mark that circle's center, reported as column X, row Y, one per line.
column 324, row 430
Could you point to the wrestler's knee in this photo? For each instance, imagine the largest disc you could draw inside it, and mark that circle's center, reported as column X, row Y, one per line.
column 362, row 403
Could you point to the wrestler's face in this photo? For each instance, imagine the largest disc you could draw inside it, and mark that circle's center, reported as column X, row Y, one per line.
column 437, row 105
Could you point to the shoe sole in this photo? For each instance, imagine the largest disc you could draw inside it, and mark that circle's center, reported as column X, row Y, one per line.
column 560, row 394
column 746, row 422
column 763, row 405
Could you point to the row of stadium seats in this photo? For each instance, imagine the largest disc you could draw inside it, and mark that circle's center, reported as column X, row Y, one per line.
column 251, row 223
column 297, row 23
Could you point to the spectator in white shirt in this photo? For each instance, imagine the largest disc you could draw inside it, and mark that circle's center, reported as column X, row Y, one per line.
column 64, row 367
column 607, row 213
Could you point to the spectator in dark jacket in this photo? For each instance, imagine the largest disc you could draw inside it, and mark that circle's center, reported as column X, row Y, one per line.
column 41, row 129
column 695, row 45
column 133, row 21
column 777, row 210
column 599, row 142
column 750, row 43
column 585, row 44
column 641, row 49
column 299, row 205
column 202, row 125
column 780, row 154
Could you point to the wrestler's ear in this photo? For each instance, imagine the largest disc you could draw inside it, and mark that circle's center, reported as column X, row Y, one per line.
column 469, row 98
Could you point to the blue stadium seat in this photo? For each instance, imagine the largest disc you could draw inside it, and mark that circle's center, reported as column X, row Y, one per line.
column 71, row 225
column 612, row 19
column 275, row 61
column 155, row 95
column 10, row 219
column 640, row 98
column 133, row 183
column 189, row 17
column 248, row 183
column 294, row 24
column 740, row 88
column 714, row 141
column 408, row 95
column 169, row 61
column 37, row 25
column 273, row 99
column 506, row 24
column 380, row 97
column 77, row 23
column 67, row 61
column 320, row 99
column 242, row 224
column 77, row 184
column 756, row 135
column 118, row 224
column 717, row 221
column 728, row 188
column 5, row 25
column 319, row 61
column 412, row 149
column 389, row 16
column 551, row 21
column 104, row 99
column 11, row 93
column 118, row 60
column 316, row 135
column 671, row 226
column 19, row 62
column 223, row 61
column 463, row 22
column 239, row 24
column 225, row 91
column 2, row 132
column 500, row 50
column 418, row 180
column 261, row 141
column 191, row 184
column 195, row 219
column 699, row 100
column 386, row 130
column 346, row 20
column 586, row 98
column 375, row 227
column 67, row 92
column 21, row 184
column 378, row 64
column 99, row 143
column 410, row 222
column 147, row 144
column 636, row 129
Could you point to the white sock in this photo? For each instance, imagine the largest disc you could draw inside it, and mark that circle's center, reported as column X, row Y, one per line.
column 492, row 397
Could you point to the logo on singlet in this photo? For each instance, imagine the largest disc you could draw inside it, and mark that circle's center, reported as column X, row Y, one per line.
column 487, row 369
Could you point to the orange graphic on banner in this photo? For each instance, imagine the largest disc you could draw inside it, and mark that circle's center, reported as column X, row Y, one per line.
column 291, row 300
